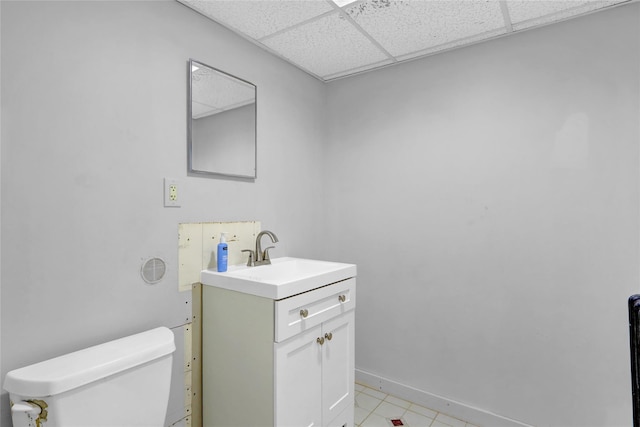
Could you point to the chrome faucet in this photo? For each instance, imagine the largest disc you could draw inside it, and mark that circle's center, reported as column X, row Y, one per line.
column 260, row 256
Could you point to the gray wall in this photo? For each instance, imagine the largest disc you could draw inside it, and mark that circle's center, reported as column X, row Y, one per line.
column 490, row 199
column 225, row 142
column 489, row 196
column 94, row 100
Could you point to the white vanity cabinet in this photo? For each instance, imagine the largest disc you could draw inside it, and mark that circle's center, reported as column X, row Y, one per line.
column 284, row 363
column 314, row 375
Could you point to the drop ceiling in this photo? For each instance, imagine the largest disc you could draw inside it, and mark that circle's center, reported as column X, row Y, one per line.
column 330, row 40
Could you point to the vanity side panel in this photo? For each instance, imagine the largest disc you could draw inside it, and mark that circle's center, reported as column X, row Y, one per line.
column 196, row 355
column 237, row 353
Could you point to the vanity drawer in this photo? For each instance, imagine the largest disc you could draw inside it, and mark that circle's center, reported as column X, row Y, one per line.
column 301, row 312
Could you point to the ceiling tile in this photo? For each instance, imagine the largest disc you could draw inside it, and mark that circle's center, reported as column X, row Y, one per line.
column 528, row 14
column 452, row 45
column 259, row 18
column 356, row 70
column 328, row 42
column 213, row 92
column 201, row 110
column 326, row 46
column 342, row 3
column 405, row 26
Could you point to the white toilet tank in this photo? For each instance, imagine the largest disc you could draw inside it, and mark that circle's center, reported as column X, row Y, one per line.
column 121, row 383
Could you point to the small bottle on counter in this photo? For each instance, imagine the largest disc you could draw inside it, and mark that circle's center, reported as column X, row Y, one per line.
column 223, row 253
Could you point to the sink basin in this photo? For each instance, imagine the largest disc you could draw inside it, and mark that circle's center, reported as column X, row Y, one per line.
column 283, row 278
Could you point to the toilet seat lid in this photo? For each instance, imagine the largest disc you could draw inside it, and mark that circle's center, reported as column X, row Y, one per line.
column 76, row 369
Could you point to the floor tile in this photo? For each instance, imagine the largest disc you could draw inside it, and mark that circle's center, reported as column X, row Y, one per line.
column 423, row 411
column 397, row 401
column 388, row 410
column 453, row 422
column 417, row 420
column 375, row 420
column 374, row 408
column 359, row 414
column 367, row 402
column 375, row 393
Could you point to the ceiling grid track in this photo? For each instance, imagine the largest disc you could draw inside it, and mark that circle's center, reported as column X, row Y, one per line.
column 373, row 41
column 332, row 39
column 506, row 16
column 298, row 25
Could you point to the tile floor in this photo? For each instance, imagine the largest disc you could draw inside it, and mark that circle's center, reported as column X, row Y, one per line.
column 374, row 408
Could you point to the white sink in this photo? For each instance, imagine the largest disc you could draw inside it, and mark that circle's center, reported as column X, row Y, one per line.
column 283, row 278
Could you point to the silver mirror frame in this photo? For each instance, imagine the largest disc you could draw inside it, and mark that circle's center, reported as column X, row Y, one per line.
column 211, row 174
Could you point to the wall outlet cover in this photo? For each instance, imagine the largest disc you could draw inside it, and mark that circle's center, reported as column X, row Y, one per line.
column 171, row 192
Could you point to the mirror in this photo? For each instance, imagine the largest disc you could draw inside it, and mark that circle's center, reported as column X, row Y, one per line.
column 221, row 123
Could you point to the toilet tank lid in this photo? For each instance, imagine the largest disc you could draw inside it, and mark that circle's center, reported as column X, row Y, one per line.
column 76, row 369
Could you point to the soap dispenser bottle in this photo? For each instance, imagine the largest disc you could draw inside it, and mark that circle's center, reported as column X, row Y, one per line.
column 223, row 255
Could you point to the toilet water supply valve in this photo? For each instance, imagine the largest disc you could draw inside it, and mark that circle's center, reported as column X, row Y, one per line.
column 30, row 409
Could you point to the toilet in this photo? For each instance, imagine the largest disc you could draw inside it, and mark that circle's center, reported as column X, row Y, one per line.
column 121, row 383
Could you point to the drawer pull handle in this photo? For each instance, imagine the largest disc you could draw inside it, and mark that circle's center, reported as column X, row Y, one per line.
column 304, row 312
column 342, row 298
column 320, row 340
column 328, row 336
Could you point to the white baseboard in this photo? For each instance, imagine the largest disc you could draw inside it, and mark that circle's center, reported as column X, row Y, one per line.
column 450, row 407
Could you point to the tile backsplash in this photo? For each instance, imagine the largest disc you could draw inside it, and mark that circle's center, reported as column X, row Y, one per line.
column 197, row 244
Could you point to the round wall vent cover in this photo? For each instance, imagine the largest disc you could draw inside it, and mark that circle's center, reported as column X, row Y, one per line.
column 153, row 270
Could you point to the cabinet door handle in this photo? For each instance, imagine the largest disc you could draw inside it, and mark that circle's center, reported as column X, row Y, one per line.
column 304, row 312
column 320, row 340
column 328, row 336
column 342, row 298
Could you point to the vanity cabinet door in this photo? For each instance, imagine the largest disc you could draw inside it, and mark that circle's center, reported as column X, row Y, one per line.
column 298, row 380
column 337, row 366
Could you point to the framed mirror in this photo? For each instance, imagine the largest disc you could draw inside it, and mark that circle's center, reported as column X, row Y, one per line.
column 221, row 138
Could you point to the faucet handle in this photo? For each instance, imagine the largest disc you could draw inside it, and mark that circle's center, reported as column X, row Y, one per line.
column 251, row 257
column 265, row 253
